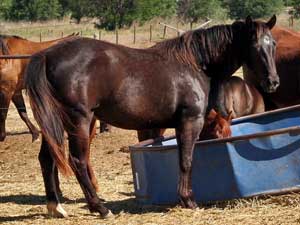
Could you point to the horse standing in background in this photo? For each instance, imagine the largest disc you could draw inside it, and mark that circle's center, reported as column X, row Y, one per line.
column 11, row 77
column 166, row 86
column 236, row 97
column 288, row 68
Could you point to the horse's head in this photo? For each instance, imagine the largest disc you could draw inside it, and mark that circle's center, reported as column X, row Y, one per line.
column 216, row 126
column 260, row 55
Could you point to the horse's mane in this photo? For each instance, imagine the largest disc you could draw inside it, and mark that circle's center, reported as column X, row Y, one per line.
column 197, row 48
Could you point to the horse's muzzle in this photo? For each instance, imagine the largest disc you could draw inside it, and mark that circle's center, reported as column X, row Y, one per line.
column 271, row 84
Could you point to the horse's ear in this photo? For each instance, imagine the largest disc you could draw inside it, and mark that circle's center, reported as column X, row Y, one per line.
column 211, row 116
column 229, row 117
column 249, row 20
column 271, row 23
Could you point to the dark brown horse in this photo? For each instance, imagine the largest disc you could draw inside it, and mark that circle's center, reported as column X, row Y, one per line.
column 236, row 96
column 166, row 86
column 11, row 77
column 288, row 68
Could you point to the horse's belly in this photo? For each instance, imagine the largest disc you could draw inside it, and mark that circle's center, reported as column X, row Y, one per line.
column 128, row 120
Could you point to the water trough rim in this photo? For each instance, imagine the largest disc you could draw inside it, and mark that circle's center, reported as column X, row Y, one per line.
column 142, row 146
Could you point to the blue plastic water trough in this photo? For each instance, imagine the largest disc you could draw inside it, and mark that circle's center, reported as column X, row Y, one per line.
column 262, row 157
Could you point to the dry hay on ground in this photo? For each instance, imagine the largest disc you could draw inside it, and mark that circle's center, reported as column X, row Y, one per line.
column 22, row 192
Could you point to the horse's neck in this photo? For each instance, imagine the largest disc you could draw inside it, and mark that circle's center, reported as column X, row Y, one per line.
column 228, row 60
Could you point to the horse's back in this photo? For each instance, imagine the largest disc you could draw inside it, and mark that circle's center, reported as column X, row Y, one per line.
column 117, row 82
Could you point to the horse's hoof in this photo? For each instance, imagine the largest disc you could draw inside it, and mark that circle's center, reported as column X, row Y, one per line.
column 188, row 203
column 56, row 210
column 2, row 137
column 35, row 136
column 108, row 215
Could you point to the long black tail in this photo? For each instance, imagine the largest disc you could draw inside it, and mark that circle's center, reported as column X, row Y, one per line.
column 47, row 110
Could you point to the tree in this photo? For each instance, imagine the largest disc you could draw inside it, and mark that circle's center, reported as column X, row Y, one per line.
column 4, row 8
column 256, row 8
column 296, row 8
column 194, row 10
column 115, row 13
column 46, row 9
column 34, row 10
column 146, row 10
column 80, row 8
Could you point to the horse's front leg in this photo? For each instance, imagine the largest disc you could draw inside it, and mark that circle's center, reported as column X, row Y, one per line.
column 186, row 134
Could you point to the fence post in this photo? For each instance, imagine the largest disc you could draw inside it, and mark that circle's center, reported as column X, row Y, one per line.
column 40, row 36
column 117, row 36
column 150, row 38
column 62, row 34
column 99, row 34
column 134, row 34
column 165, row 31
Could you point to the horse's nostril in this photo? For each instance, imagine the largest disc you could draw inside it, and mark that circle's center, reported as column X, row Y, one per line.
column 275, row 83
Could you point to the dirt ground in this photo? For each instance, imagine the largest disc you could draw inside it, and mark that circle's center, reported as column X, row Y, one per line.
column 22, row 198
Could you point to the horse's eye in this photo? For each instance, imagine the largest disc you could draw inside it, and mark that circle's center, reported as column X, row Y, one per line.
column 267, row 40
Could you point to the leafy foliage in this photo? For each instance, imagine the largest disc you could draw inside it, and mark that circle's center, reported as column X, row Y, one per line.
column 195, row 10
column 256, row 8
column 4, row 7
column 33, row 10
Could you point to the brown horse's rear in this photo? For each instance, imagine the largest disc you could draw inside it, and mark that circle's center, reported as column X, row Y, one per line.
column 47, row 111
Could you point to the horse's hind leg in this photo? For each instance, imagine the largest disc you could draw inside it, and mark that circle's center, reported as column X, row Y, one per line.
column 89, row 166
column 79, row 144
column 48, row 171
column 186, row 136
column 18, row 100
column 104, row 127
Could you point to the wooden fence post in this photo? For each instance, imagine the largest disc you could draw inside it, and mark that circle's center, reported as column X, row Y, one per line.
column 40, row 36
column 117, row 36
column 62, row 34
column 165, row 31
column 134, row 34
column 99, row 34
column 150, row 38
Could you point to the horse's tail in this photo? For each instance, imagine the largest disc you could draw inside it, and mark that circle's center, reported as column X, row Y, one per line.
column 47, row 110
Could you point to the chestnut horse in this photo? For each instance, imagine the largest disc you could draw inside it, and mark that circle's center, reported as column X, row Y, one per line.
column 236, row 96
column 166, row 86
column 288, row 68
column 216, row 126
column 11, row 77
